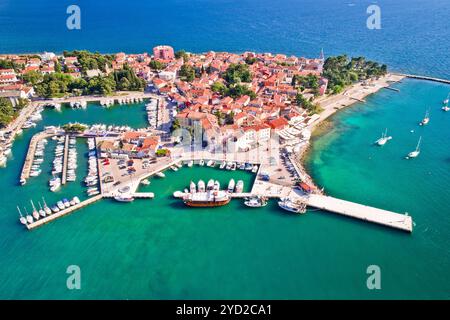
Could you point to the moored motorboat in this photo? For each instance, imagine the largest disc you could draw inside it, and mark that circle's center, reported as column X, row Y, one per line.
column 288, row 205
column 231, row 185
column 201, row 186
column 192, row 187
column 124, row 198
column 239, row 186
column 255, row 202
column 210, row 184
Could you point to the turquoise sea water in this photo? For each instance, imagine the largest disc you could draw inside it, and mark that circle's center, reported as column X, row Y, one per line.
column 414, row 35
column 159, row 249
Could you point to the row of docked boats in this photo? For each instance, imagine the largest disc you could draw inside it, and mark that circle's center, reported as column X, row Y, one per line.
column 78, row 104
column 228, row 165
column 152, row 113
column 44, row 210
column 91, row 179
column 55, row 181
column 32, row 120
column 72, row 160
column 38, row 159
column 125, row 100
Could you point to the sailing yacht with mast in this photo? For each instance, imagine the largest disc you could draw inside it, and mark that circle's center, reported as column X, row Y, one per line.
column 415, row 153
column 22, row 219
column 445, row 102
column 426, row 119
column 384, row 138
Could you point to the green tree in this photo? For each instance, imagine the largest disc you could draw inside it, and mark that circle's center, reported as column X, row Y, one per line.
column 237, row 73
column 33, row 77
column 182, row 54
column 219, row 87
column 156, row 65
column 187, row 73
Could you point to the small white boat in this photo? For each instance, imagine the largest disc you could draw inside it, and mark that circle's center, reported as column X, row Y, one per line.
column 202, row 162
column 192, row 187
column 145, row 182
column 216, row 186
column 222, row 165
column 426, row 119
column 60, row 205
column 288, row 205
column 209, row 163
column 233, row 166
column 415, row 153
column 160, row 174
column 384, row 138
column 239, row 186
column 255, row 202
column 178, row 194
column 210, row 184
column 124, row 198
column 174, row 168
column 201, row 186
column 190, row 163
column 231, row 185
column 22, row 219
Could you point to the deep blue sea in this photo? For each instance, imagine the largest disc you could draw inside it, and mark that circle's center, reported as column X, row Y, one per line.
column 414, row 35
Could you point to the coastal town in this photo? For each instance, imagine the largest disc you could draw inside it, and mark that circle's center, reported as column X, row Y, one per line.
column 250, row 111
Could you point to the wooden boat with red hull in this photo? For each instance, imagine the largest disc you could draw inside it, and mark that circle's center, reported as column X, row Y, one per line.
column 211, row 198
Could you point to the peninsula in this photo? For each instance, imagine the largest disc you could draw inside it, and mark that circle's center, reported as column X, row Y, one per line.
column 246, row 110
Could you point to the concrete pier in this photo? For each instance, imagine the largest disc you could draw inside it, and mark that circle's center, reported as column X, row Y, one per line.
column 62, row 213
column 65, row 160
column 30, row 154
column 354, row 210
column 413, row 76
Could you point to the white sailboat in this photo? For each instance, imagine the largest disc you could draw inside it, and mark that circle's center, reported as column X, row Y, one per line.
column 28, row 217
column 415, row 153
column 445, row 102
column 384, row 138
column 47, row 210
column 426, row 119
column 41, row 211
column 35, row 212
column 22, row 219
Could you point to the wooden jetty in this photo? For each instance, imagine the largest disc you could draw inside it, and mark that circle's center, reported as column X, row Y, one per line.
column 62, row 213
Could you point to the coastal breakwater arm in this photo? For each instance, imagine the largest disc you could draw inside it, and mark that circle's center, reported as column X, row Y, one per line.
column 354, row 210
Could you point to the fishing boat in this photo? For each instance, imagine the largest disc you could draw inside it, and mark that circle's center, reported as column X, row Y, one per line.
column 22, row 219
column 201, row 186
column 210, row 184
column 207, row 199
column 255, row 202
column 415, row 153
column 239, row 186
column 124, row 198
column 231, row 185
column 222, row 165
column 384, row 138
column 288, row 205
column 426, row 119
column 192, row 187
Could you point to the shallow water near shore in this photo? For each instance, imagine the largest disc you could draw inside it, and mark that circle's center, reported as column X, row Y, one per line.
column 160, row 249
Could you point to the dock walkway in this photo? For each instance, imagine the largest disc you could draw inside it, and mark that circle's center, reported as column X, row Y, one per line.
column 65, row 160
column 64, row 212
column 362, row 212
column 30, row 154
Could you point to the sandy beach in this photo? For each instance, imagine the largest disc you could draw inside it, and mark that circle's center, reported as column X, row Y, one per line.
column 333, row 103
